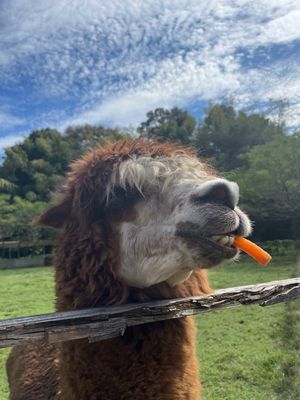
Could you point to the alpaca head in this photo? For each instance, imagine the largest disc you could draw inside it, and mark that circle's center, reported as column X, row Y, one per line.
column 184, row 218
column 166, row 212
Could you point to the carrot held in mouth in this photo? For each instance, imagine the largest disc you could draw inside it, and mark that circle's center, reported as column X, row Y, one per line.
column 256, row 252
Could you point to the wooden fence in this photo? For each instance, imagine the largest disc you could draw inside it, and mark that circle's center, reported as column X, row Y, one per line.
column 106, row 322
column 18, row 244
column 11, row 257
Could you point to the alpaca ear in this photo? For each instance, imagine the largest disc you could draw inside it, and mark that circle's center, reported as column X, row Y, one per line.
column 55, row 216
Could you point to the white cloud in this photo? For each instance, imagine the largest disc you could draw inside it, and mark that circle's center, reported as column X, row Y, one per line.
column 10, row 140
column 191, row 81
column 284, row 29
column 8, row 120
column 115, row 60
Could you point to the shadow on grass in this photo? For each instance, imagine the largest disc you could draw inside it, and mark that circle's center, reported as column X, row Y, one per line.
column 288, row 387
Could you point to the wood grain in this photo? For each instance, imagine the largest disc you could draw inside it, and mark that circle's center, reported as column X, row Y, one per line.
column 107, row 322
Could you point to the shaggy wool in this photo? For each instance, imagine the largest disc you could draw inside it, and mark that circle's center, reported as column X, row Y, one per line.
column 155, row 361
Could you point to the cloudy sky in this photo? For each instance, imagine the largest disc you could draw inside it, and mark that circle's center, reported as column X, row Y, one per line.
column 108, row 62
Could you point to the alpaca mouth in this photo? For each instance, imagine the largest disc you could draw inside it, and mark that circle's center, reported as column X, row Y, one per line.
column 225, row 239
column 225, row 242
column 217, row 245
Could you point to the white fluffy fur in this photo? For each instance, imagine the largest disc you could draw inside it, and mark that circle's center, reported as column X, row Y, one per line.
column 159, row 173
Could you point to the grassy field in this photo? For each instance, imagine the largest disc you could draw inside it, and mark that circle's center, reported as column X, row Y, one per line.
column 252, row 352
column 246, row 354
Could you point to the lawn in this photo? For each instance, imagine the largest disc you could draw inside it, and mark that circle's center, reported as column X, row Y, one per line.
column 246, row 354
column 251, row 352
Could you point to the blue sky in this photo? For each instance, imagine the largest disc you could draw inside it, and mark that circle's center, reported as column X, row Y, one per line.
column 108, row 62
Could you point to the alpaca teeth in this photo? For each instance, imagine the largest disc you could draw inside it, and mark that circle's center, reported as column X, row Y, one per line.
column 217, row 238
column 231, row 240
column 223, row 240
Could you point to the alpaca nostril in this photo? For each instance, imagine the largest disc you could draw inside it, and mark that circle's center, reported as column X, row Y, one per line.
column 218, row 191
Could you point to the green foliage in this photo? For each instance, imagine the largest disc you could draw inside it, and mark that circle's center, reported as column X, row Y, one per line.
column 248, row 148
column 225, row 135
column 7, row 186
column 85, row 137
column 175, row 125
column 16, row 215
column 281, row 247
column 270, row 184
column 37, row 164
column 35, row 167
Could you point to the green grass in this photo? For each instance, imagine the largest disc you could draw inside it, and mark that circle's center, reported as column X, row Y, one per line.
column 246, row 353
column 23, row 292
column 243, row 352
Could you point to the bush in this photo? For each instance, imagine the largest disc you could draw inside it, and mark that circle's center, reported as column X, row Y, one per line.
column 281, row 247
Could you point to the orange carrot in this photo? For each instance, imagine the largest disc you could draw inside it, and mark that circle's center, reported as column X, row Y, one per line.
column 256, row 252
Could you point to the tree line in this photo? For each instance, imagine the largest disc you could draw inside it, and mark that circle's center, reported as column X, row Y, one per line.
column 260, row 154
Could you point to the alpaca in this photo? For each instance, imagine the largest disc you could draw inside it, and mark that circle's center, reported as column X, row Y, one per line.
column 139, row 221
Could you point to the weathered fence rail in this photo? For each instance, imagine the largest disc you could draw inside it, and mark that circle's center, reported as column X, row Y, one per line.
column 107, row 322
column 37, row 253
column 16, row 244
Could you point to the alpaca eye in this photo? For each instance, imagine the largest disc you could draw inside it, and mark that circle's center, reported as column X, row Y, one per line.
column 121, row 199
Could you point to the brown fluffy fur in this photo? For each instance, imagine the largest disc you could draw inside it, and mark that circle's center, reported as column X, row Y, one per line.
column 154, row 361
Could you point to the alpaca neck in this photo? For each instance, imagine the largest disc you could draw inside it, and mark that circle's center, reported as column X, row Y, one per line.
column 156, row 360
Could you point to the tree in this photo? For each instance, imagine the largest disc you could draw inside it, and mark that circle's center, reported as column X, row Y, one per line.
column 225, row 135
column 175, row 125
column 85, row 137
column 35, row 166
column 33, row 169
column 16, row 217
column 7, row 186
column 270, row 186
